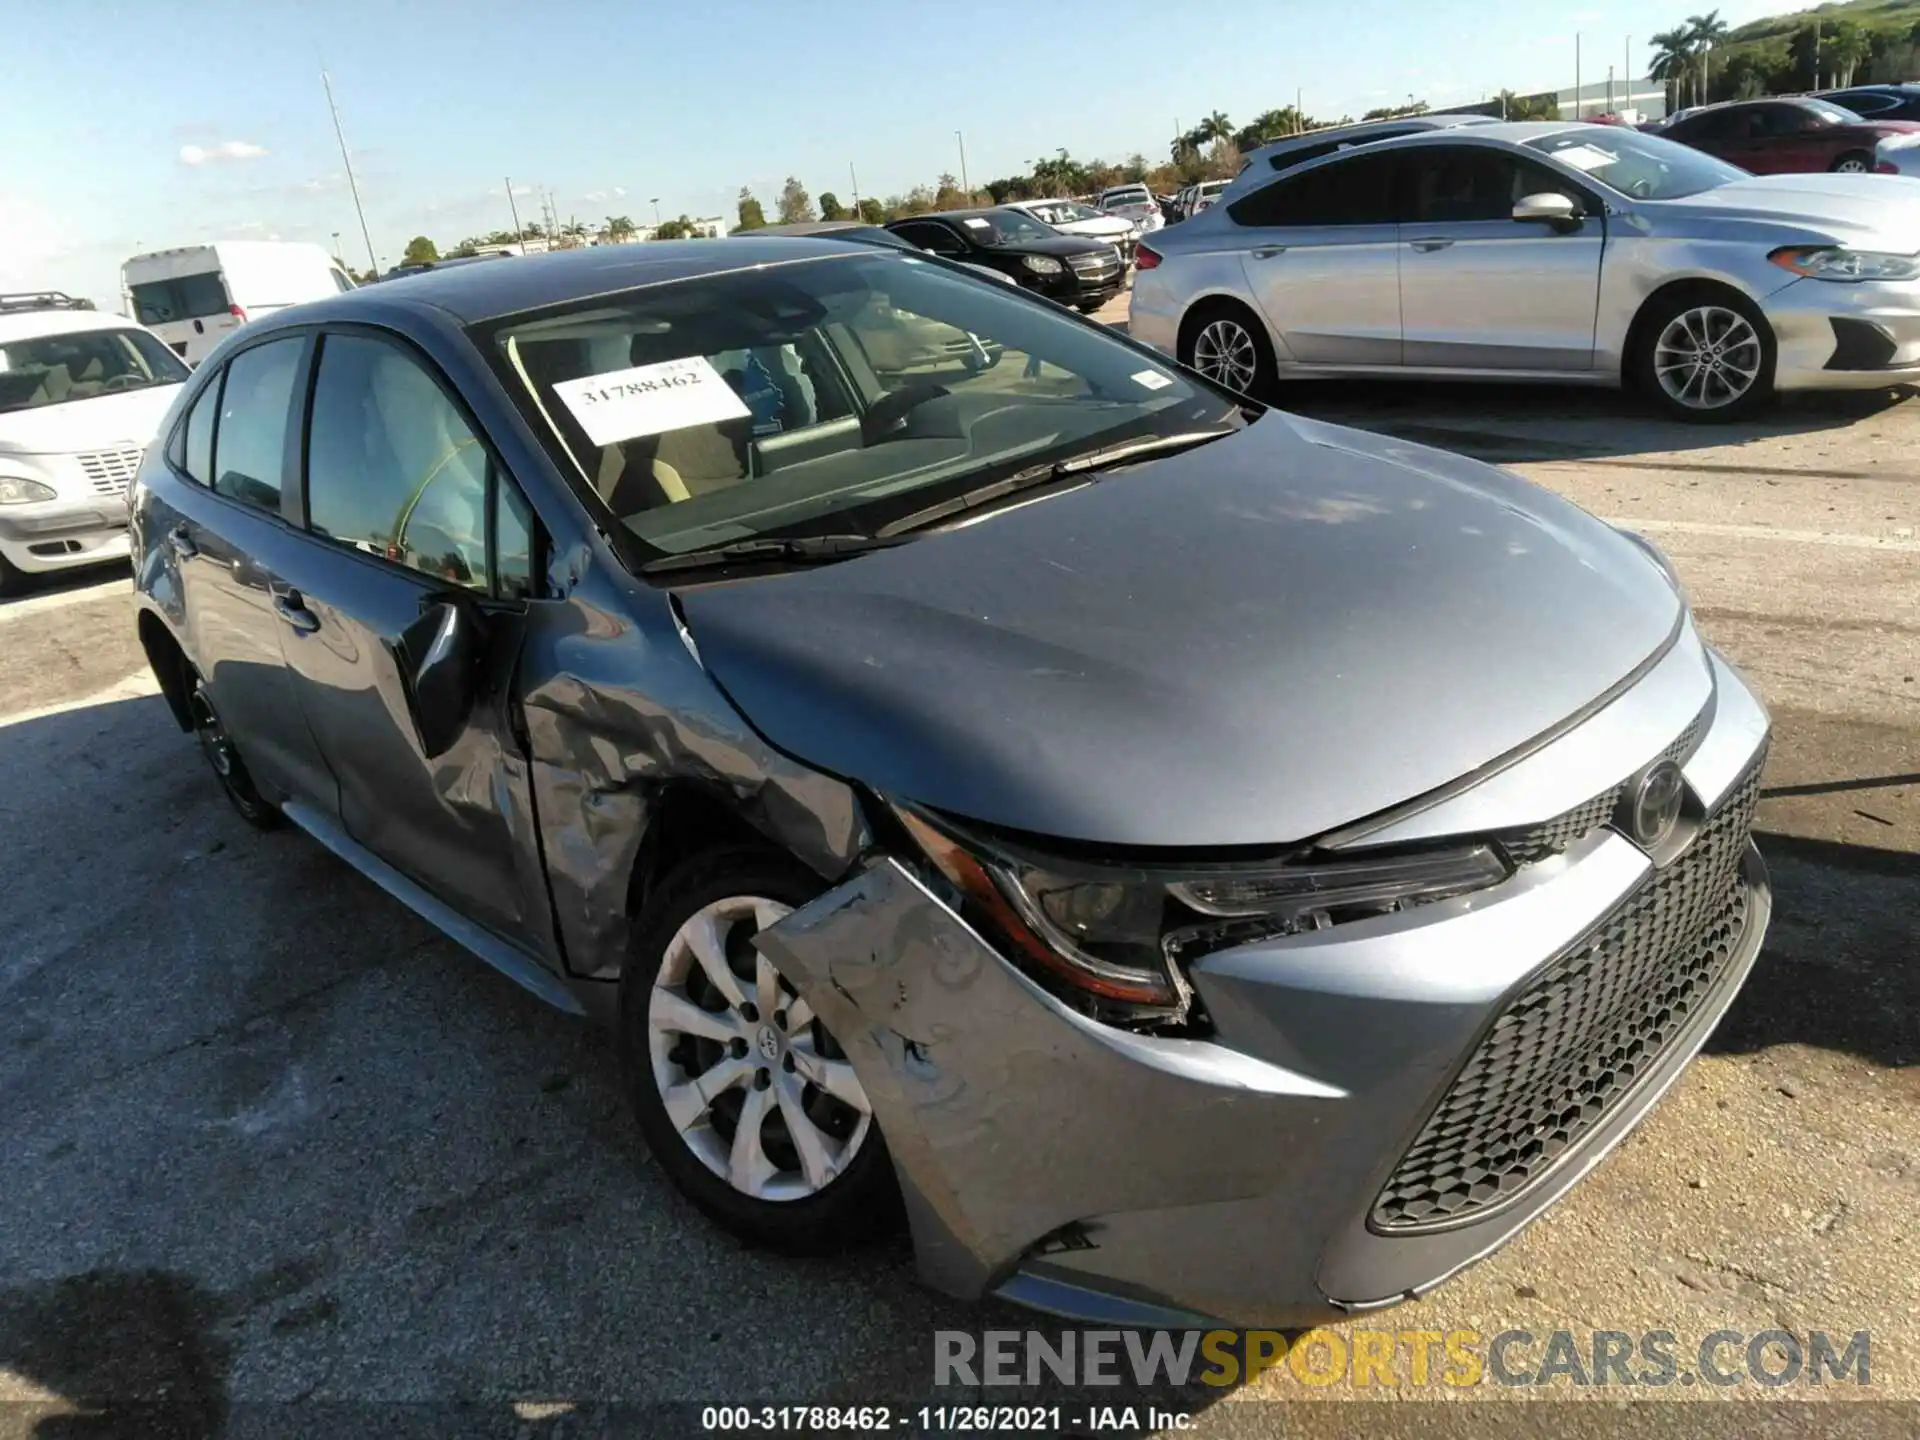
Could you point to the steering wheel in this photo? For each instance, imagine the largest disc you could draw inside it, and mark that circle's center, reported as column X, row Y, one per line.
column 1641, row 188
column 122, row 382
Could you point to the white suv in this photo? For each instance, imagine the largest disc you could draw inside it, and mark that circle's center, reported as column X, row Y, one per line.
column 81, row 394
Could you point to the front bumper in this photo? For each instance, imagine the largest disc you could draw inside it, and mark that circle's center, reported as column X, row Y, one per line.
column 1243, row 1178
column 56, row 534
column 1838, row 336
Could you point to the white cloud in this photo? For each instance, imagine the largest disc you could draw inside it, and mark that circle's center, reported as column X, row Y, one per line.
column 220, row 154
column 617, row 192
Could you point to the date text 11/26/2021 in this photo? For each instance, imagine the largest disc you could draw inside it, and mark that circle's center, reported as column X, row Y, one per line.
column 940, row 1419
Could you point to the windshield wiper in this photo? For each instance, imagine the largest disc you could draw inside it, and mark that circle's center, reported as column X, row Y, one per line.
column 1093, row 460
column 771, row 547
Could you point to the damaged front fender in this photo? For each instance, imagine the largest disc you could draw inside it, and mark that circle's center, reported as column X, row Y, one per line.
column 1008, row 1115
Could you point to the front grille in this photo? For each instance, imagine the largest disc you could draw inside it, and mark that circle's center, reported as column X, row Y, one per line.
column 1581, row 1034
column 1096, row 264
column 110, row 471
column 1562, row 831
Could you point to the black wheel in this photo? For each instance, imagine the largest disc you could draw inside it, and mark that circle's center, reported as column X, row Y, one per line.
column 13, row 580
column 1086, row 308
column 1704, row 355
column 1854, row 162
column 1228, row 345
column 743, row 1096
column 225, row 759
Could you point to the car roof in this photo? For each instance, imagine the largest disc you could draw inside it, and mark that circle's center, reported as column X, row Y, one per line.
column 1445, row 120
column 474, row 293
column 803, row 227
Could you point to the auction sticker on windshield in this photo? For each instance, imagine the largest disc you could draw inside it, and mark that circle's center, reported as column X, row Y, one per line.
column 650, row 399
column 1585, row 157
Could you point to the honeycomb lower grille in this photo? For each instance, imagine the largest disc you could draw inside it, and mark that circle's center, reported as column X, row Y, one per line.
column 1580, row 1036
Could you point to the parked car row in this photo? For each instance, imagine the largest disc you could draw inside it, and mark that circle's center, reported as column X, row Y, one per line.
column 1571, row 252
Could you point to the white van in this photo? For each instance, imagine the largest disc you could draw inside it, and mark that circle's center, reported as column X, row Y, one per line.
column 193, row 296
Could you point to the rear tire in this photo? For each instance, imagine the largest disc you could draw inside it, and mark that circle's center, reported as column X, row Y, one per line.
column 1226, row 342
column 814, row 1176
column 13, row 580
column 1854, row 162
column 224, row 757
column 1704, row 354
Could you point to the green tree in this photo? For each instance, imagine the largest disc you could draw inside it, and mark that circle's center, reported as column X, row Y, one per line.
column 618, row 228
column 1215, row 127
column 947, row 194
column 1529, row 107
column 872, row 211
column 680, row 229
column 1394, row 112
column 1703, row 33
column 1843, row 51
column 795, row 204
column 752, row 217
column 420, row 251
column 1673, row 63
column 830, row 206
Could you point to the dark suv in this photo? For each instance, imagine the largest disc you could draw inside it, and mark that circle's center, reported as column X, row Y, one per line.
column 1072, row 269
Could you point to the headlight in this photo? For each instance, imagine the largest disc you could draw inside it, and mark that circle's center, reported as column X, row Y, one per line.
column 1836, row 262
column 17, row 490
column 1041, row 264
column 1118, row 934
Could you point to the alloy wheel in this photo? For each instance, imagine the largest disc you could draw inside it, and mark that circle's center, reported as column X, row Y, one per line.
column 1707, row 357
column 750, row 1079
column 1223, row 351
column 1852, row 165
column 212, row 735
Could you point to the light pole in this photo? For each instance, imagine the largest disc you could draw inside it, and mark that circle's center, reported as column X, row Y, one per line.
column 519, row 233
column 655, row 202
column 336, row 251
column 963, row 164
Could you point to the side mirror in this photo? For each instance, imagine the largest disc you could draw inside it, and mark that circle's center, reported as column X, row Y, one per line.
column 1555, row 210
column 439, row 659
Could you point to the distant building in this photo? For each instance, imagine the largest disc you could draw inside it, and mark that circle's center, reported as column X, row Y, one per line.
column 710, row 227
column 1634, row 101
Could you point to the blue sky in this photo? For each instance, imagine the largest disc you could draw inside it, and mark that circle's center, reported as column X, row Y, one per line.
column 138, row 126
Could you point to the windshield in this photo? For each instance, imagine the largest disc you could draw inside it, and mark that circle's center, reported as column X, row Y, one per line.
column 1008, row 227
column 1643, row 166
column 1830, row 113
column 58, row 369
column 824, row 396
column 1063, row 212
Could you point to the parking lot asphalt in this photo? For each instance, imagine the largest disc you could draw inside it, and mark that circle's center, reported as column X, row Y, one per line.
column 267, row 1137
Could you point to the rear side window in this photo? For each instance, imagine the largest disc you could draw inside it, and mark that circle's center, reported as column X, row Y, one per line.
column 395, row 471
column 256, row 403
column 189, row 297
column 1359, row 191
column 197, row 454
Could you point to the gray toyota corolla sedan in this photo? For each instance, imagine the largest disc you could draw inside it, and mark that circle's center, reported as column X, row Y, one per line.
column 1576, row 253
column 1193, row 862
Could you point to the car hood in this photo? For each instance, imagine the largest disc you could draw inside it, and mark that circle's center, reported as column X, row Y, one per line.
column 100, row 422
column 1062, row 245
column 1823, row 202
column 1105, row 225
column 1249, row 643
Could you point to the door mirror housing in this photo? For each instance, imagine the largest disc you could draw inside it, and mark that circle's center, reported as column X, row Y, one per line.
column 439, row 660
column 1559, row 211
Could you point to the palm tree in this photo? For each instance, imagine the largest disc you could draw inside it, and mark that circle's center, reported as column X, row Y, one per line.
column 1185, row 147
column 618, row 228
column 1673, row 61
column 1845, row 49
column 1704, row 32
column 1215, row 127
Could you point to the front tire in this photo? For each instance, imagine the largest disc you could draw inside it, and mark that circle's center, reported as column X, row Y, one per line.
column 743, row 1096
column 1854, row 162
column 1704, row 355
column 1227, row 344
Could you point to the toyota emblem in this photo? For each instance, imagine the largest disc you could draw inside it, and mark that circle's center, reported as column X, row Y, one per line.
column 1653, row 804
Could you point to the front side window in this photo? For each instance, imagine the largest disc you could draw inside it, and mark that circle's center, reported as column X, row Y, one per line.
column 393, row 468
column 79, row 365
column 825, row 396
column 932, row 235
column 197, row 453
column 256, row 406
column 1360, row 190
column 1450, row 184
column 188, row 297
column 1646, row 167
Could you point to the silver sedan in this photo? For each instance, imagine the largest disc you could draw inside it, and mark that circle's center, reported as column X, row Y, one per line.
column 1542, row 251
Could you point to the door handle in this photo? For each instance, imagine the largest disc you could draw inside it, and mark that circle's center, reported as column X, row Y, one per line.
column 182, row 542
column 291, row 608
column 1267, row 252
column 1431, row 243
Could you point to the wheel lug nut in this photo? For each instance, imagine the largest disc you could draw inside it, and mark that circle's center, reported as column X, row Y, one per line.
column 748, row 1013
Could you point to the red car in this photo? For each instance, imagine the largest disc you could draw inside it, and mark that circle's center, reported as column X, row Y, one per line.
column 1781, row 137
